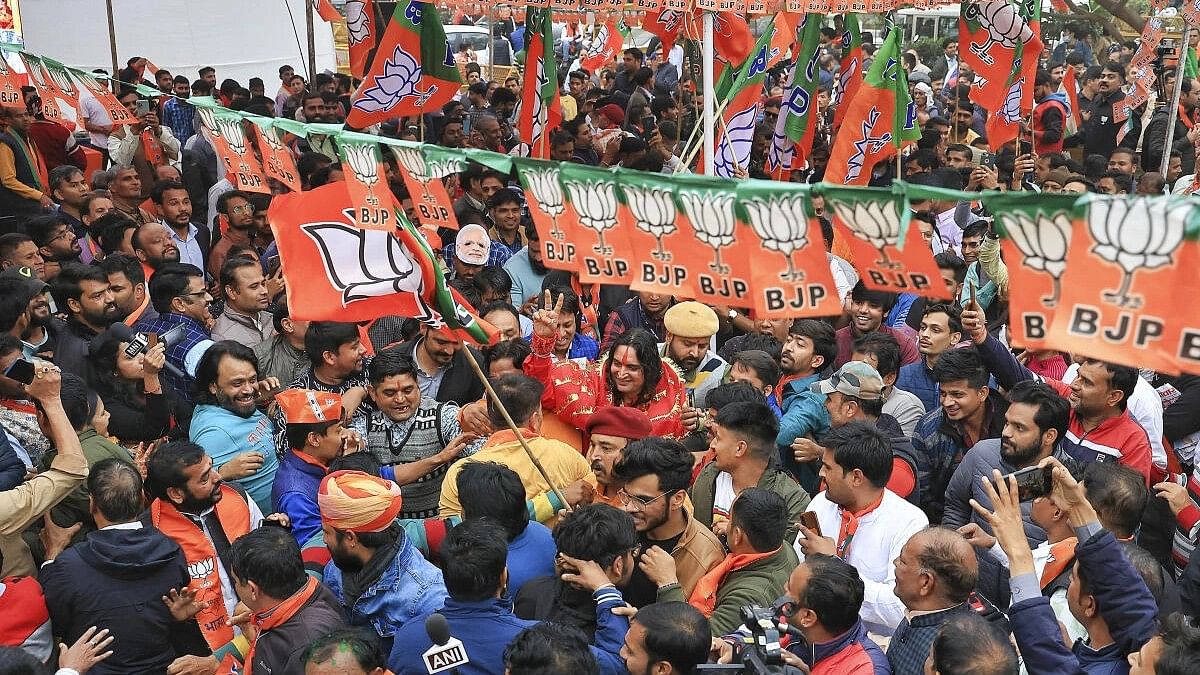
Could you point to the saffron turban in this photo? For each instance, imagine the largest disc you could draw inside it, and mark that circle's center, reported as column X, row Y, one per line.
column 358, row 502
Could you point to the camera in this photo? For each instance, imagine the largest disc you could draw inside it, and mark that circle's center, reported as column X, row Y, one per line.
column 760, row 651
column 138, row 343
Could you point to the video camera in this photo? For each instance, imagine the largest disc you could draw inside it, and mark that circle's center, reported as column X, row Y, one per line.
column 760, row 651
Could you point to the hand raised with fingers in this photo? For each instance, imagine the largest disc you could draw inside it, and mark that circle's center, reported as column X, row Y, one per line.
column 545, row 320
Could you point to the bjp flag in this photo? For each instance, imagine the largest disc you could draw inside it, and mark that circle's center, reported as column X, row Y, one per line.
column 547, row 205
column 362, row 33
column 881, row 120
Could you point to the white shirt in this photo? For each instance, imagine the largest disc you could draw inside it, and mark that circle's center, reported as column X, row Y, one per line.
column 1145, row 407
column 95, row 114
column 880, row 536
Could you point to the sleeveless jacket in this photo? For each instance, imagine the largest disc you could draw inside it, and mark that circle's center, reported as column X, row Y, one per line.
column 203, row 566
column 1038, row 112
column 423, row 439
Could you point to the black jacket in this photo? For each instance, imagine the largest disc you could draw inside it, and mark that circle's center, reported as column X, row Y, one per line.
column 1155, row 139
column 71, row 348
column 116, row 579
column 459, row 382
column 1099, row 133
column 280, row 651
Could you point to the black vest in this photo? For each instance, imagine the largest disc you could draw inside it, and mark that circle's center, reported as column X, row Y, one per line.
column 10, row 202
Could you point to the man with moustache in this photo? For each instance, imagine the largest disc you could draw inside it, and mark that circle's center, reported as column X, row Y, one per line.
column 228, row 424
column 609, row 430
column 83, row 292
column 677, row 550
column 245, row 318
column 56, row 241
column 197, row 510
column 175, row 204
column 1034, row 425
column 690, row 327
column 413, row 436
column 39, row 332
column 527, row 271
column 153, row 247
column 868, row 310
column 181, row 300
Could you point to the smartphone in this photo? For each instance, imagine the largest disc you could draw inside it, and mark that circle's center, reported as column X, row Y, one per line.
column 809, row 520
column 1033, row 482
column 272, row 265
column 971, row 294
column 988, row 159
column 649, row 126
column 21, row 370
column 143, row 106
column 151, row 340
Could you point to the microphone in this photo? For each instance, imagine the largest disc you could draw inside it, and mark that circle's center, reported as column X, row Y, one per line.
column 168, row 339
column 447, row 653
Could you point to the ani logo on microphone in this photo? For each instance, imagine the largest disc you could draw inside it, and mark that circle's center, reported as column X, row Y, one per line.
column 443, row 657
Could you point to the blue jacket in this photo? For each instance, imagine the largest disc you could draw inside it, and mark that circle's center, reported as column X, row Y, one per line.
column 804, row 414
column 486, row 627
column 12, row 469
column 530, row 555
column 939, row 447
column 1125, row 604
column 849, row 652
column 410, row 588
column 917, row 379
column 294, row 492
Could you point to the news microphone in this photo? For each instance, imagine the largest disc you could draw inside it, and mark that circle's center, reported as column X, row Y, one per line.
column 168, row 339
column 447, row 653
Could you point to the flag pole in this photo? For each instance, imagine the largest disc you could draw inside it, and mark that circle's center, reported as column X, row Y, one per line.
column 312, row 39
column 112, row 46
column 513, row 426
column 709, row 137
column 1173, row 111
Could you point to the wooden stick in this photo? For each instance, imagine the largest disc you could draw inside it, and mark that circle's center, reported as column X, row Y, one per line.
column 513, row 426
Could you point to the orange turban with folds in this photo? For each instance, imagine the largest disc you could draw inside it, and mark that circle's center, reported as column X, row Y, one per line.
column 358, row 502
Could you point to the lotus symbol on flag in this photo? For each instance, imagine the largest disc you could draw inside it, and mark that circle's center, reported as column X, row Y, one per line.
column 866, row 143
column 401, row 75
column 596, row 205
column 875, row 222
column 543, row 183
column 595, row 47
column 362, row 161
column 358, row 22
column 1010, row 110
column 201, row 568
column 1138, row 233
column 1043, row 240
column 1003, row 23
column 208, row 120
column 412, row 160
column 443, row 168
column 654, row 210
column 711, row 216
column 364, row 263
column 235, row 137
column 782, row 225
column 734, row 152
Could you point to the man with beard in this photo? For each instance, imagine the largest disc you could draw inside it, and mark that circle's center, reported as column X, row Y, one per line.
column 690, row 327
column 527, row 271
column 1034, row 426
column 676, row 549
column 193, row 241
column 443, row 373
column 154, row 247
column 414, row 437
column 809, row 348
column 940, row 329
column 127, row 282
column 245, row 318
column 83, row 292
column 18, row 250
column 227, row 422
column 181, row 300
column 609, row 430
column 37, row 328
column 376, row 573
column 239, row 213
column 1098, row 134
column 56, row 241
column 194, row 507
column 646, row 311
column 970, row 411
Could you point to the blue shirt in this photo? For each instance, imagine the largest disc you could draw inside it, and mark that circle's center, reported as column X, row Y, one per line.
column 530, row 555
column 525, row 281
column 180, row 116
column 189, row 249
column 224, row 435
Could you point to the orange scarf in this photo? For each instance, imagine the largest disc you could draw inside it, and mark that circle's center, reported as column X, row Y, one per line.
column 1186, row 118
column 849, row 527
column 152, row 148
column 201, row 557
column 704, row 596
column 1062, row 555
column 279, row 614
column 507, row 436
column 783, row 383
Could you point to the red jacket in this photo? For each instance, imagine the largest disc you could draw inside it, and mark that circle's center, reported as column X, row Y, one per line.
column 56, row 144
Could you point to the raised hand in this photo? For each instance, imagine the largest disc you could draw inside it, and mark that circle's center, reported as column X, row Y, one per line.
column 183, row 604
column 155, row 360
column 1005, row 520
column 87, row 651
column 545, row 320
column 586, row 574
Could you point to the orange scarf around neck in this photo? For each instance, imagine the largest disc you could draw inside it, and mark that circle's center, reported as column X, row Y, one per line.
column 704, row 596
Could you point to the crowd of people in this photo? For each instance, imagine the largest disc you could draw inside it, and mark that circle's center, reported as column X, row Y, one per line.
column 192, row 479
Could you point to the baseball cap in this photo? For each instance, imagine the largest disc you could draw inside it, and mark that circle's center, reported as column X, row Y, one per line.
column 305, row 406
column 854, row 378
column 467, row 246
column 32, row 283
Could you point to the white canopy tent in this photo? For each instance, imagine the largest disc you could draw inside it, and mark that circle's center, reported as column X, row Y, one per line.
column 239, row 38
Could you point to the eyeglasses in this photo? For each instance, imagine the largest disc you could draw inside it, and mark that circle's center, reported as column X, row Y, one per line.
column 194, row 294
column 63, row 234
column 244, row 208
column 640, row 503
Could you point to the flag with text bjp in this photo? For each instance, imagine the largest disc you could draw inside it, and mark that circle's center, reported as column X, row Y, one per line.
column 277, row 160
column 547, row 208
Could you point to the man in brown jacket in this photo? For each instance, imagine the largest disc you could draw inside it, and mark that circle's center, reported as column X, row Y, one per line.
column 676, row 548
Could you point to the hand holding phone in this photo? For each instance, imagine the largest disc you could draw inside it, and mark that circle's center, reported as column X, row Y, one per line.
column 1033, row 482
